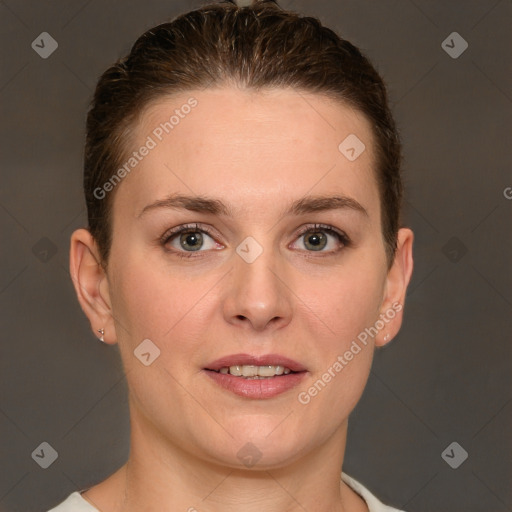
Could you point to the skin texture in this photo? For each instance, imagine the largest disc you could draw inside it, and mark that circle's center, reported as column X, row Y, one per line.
column 257, row 152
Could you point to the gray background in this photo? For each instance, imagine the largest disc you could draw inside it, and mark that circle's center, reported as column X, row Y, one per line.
column 445, row 378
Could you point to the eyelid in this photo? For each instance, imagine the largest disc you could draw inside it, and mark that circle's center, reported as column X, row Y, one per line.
column 184, row 228
column 322, row 227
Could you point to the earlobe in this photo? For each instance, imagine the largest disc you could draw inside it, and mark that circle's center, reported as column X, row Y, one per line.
column 397, row 281
column 91, row 284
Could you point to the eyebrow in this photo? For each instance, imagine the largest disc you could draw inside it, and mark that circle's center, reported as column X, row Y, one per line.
column 213, row 206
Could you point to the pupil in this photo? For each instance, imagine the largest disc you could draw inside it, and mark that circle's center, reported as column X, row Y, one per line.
column 316, row 240
column 191, row 240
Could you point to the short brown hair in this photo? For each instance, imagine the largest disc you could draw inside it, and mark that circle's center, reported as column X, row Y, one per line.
column 258, row 46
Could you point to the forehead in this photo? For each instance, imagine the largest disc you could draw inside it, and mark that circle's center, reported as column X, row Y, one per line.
column 243, row 118
column 273, row 143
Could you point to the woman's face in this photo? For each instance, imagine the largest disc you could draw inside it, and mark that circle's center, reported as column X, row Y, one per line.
column 246, row 281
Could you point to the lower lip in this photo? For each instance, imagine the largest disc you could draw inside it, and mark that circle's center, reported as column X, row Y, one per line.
column 256, row 388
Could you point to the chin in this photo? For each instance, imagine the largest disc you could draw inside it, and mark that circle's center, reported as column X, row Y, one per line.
column 259, row 445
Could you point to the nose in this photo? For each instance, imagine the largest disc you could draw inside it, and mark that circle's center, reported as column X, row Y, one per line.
column 258, row 295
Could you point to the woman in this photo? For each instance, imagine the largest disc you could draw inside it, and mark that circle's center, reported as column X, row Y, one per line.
column 244, row 249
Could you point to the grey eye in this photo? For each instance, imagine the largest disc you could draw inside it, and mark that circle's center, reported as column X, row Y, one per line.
column 315, row 240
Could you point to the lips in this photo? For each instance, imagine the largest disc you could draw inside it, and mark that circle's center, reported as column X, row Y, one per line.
column 256, row 388
column 263, row 360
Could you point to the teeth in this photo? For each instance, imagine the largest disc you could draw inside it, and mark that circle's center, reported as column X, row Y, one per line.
column 236, row 370
column 254, row 372
column 270, row 371
column 249, row 371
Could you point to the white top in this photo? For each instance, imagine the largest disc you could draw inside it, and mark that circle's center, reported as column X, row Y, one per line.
column 75, row 502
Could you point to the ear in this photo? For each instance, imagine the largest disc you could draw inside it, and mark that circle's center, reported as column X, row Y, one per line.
column 397, row 281
column 91, row 284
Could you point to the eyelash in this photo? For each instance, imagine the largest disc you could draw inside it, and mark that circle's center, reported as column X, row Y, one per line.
column 193, row 228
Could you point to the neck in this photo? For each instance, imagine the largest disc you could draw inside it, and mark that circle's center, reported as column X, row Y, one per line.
column 159, row 475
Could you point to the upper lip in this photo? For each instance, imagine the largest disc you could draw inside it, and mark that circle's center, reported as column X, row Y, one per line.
column 261, row 360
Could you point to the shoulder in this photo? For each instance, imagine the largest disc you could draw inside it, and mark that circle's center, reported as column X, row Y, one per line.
column 74, row 503
column 374, row 504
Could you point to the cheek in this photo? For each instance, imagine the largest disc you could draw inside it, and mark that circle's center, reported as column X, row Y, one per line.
column 351, row 302
column 162, row 305
column 349, row 308
column 145, row 302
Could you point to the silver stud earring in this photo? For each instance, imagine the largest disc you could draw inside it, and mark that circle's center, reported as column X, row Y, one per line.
column 386, row 338
column 102, row 332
